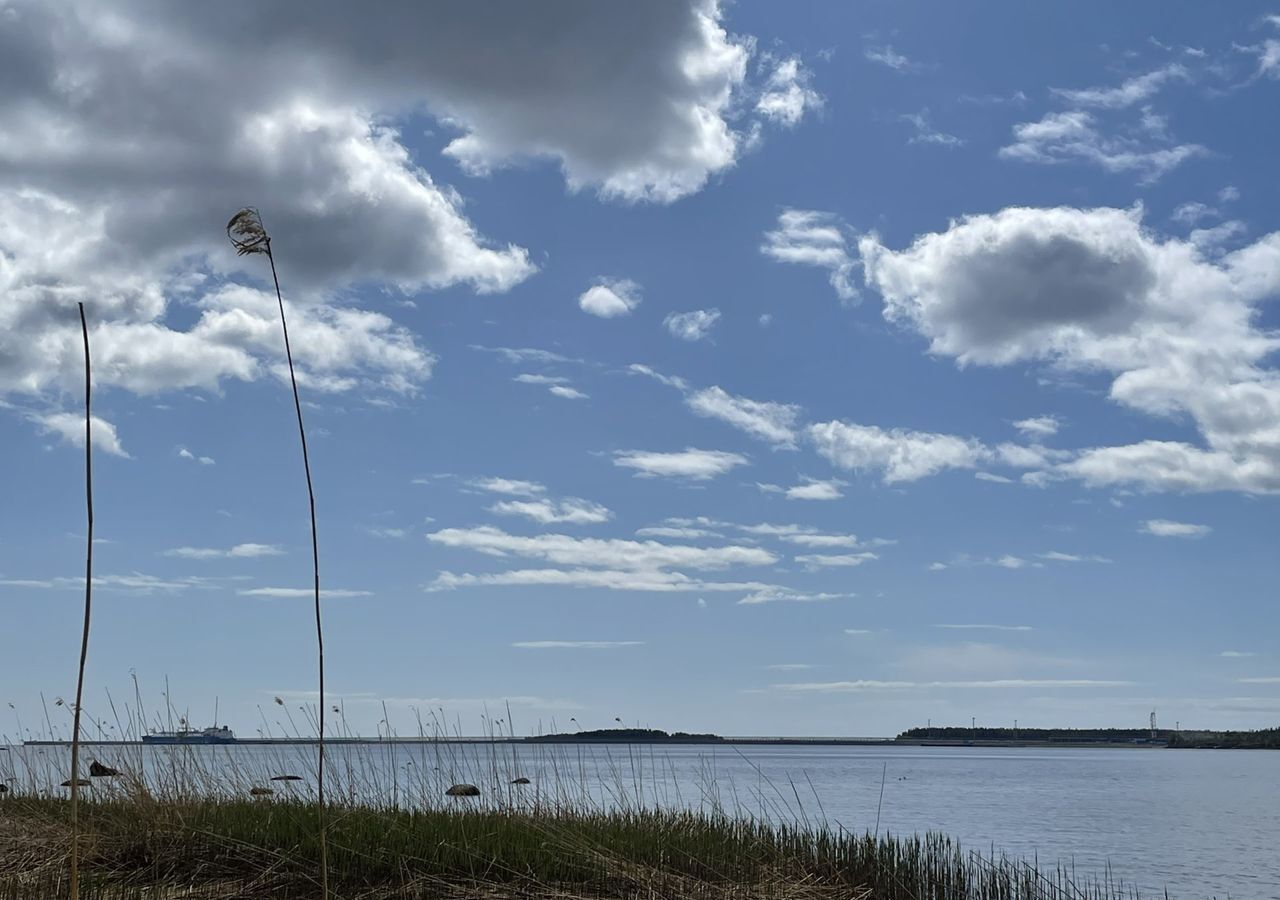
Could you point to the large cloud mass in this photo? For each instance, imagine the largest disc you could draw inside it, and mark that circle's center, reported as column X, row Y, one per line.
column 1092, row 290
column 129, row 132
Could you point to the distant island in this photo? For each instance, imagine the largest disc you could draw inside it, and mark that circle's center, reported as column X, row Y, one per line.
column 626, row 736
column 1186, row 739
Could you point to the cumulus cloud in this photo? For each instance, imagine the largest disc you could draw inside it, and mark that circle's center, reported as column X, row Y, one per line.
column 809, row 489
column 1038, row 427
column 616, row 554
column 693, row 325
column 925, row 133
column 1076, row 136
column 1092, row 290
column 287, row 593
column 571, row 510
column 1131, row 91
column 69, row 427
column 184, row 453
column 788, row 94
column 899, row 455
column 644, row 581
column 609, row 298
column 885, row 55
column 812, row 238
column 691, row 463
column 838, row 560
column 768, row 421
column 239, row 551
column 783, row 595
column 842, row 687
column 575, row 645
column 1167, row 528
column 126, row 147
column 513, row 486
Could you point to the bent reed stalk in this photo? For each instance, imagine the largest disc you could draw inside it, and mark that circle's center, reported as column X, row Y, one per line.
column 249, row 236
column 88, row 608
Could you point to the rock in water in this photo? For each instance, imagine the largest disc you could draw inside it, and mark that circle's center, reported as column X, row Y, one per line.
column 463, row 790
column 260, row 792
column 82, row 782
column 98, row 770
column 286, row 777
column 520, row 780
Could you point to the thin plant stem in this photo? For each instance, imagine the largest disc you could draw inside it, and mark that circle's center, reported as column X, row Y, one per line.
column 315, row 571
column 88, row 609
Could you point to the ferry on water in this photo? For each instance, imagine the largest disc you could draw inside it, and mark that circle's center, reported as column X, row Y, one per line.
column 216, row 735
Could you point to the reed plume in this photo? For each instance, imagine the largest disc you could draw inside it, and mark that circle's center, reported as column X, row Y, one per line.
column 249, row 236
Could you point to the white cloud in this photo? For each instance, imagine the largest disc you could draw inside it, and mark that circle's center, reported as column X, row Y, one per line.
column 842, row 687
column 1092, row 291
column 513, row 486
column 693, row 325
column 669, row 380
column 766, row 420
column 1038, row 427
column 616, row 554
column 678, row 532
column 811, row 238
column 575, row 645
column 788, row 94
column 925, row 133
column 567, row 393
column 691, row 463
column 609, row 298
column 124, row 146
column 887, row 56
column 527, row 378
column 773, row 594
column 133, row 583
column 202, row 460
column 1058, row 556
column 1167, row 528
column 69, row 427
column 571, row 510
column 898, row 454
column 301, row 593
column 649, row 581
column 835, row 560
column 1237, row 654
column 789, row 667
column 239, row 551
column 979, row 627
column 1074, row 136
column 1134, row 90
column 993, row 478
column 816, row 489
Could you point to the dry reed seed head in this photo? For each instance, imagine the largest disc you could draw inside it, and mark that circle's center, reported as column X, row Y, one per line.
column 247, row 233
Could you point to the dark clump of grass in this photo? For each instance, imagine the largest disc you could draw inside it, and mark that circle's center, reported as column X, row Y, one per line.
column 252, row 849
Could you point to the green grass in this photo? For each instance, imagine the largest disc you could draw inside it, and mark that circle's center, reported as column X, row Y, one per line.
column 270, row 849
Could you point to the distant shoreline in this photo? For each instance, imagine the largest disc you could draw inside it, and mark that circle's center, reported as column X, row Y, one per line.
column 569, row 739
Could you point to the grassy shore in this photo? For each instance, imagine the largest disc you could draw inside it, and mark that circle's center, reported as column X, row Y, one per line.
column 258, row 849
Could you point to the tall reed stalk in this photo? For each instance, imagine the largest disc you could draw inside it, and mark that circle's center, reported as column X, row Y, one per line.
column 88, row 609
column 249, row 236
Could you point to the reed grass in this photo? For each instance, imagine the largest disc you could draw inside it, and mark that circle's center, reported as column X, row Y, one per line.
column 88, row 609
column 594, row 821
column 249, row 236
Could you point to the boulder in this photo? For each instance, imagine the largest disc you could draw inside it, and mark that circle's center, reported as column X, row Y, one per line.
column 463, row 790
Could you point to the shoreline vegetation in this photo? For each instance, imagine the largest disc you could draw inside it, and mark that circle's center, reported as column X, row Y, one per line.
column 1267, row 738
column 563, row 820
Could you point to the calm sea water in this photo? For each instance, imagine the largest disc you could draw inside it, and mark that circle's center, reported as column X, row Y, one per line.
column 1199, row 823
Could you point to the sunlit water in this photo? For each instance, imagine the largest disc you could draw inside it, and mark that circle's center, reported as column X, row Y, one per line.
column 1199, row 823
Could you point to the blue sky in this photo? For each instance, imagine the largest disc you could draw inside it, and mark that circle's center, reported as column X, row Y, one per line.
column 756, row 368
